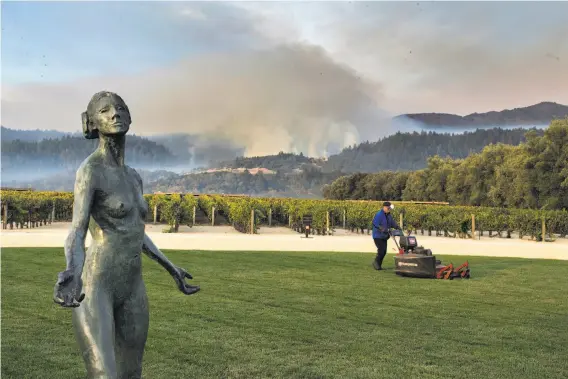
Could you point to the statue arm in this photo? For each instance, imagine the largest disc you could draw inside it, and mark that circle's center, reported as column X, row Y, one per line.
column 83, row 199
column 178, row 273
column 152, row 251
column 68, row 288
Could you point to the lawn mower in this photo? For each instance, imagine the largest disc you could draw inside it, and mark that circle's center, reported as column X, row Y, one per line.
column 416, row 261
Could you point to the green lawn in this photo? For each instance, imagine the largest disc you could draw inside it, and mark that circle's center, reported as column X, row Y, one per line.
column 307, row 315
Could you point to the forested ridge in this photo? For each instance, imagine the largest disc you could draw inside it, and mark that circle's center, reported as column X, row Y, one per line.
column 69, row 151
column 538, row 114
column 296, row 175
column 278, row 162
column 533, row 174
column 305, row 183
column 9, row 134
column 409, row 151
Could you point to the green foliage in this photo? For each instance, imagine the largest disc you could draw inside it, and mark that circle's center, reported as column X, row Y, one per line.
column 32, row 208
column 532, row 175
column 239, row 212
column 317, row 209
column 176, row 209
column 409, row 151
column 281, row 161
column 307, row 182
column 206, row 204
column 300, row 176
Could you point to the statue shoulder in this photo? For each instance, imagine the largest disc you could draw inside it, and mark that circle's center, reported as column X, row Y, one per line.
column 134, row 173
column 89, row 169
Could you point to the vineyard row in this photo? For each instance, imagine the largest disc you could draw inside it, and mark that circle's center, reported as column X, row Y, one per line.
column 247, row 214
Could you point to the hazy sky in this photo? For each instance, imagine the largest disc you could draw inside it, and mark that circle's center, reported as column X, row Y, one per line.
column 280, row 75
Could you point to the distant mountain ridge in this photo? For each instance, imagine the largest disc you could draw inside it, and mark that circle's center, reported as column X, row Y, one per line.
column 29, row 156
column 539, row 114
column 24, row 160
column 30, row 135
column 410, row 151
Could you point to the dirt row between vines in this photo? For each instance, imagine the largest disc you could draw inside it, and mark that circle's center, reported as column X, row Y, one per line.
column 225, row 238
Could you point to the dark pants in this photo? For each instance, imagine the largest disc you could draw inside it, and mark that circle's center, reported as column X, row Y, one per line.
column 381, row 245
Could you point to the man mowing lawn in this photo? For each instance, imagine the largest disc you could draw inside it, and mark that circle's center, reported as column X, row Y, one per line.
column 382, row 222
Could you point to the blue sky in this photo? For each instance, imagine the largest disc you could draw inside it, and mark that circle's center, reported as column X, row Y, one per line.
column 64, row 41
column 279, row 75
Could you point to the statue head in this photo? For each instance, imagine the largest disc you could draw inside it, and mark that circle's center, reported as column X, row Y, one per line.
column 106, row 114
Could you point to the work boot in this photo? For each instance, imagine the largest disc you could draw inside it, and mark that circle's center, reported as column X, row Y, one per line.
column 376, row 264
column 380, row 259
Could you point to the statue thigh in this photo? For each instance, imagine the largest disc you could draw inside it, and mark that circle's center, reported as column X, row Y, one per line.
column 112, row 339
column 131, row 331
column 94, row 329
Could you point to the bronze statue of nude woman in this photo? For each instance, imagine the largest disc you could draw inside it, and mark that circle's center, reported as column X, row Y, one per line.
column 111, row 316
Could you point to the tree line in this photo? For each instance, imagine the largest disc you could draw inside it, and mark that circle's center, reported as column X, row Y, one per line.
column 69, row 151
column 400, row 151
column 307, row 182
column 410, row 151
column 297, row 175
column 533, row 174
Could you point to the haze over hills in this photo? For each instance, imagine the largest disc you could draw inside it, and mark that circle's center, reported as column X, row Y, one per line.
column 535, row 115
column 25, row 161
column 51, row 163
column 8, row 134
column 187, row 151
column 170, row 162
column 198, row 150
column 397, row 152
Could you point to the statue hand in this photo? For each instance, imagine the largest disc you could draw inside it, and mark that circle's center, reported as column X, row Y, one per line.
column 67, row 292
column 179, row 277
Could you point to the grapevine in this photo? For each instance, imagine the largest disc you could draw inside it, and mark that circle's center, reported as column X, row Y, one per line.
column 34, row 208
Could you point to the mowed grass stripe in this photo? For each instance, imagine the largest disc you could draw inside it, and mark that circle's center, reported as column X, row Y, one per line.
column 307, row 315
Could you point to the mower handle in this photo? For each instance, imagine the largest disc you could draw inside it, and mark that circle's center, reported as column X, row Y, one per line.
column 396, row 232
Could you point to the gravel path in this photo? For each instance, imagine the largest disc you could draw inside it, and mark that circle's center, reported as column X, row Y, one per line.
column 223, row 238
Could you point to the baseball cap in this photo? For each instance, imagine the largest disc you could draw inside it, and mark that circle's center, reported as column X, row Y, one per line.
column 388, row 204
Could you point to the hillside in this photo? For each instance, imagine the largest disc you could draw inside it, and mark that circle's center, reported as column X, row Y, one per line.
column 410, row 151
column 29, row 160
column 534, row 115
column 189, row 150
column 198, row 150
column 302, row 176
column 29, row 135
column 29, row 163
column 531, row 175
column 307, row 183
column 401, row 151
column 285, row 162
column 65, row 180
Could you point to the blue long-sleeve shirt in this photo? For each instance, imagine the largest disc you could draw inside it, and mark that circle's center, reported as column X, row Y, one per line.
column 382, row 222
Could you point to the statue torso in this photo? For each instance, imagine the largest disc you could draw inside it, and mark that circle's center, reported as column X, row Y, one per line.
column 117, row 225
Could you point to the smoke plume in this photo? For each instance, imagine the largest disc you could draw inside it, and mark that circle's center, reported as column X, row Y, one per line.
column 286, row 98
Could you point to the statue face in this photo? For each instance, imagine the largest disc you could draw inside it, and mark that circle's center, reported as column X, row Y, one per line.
column 111, row 117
